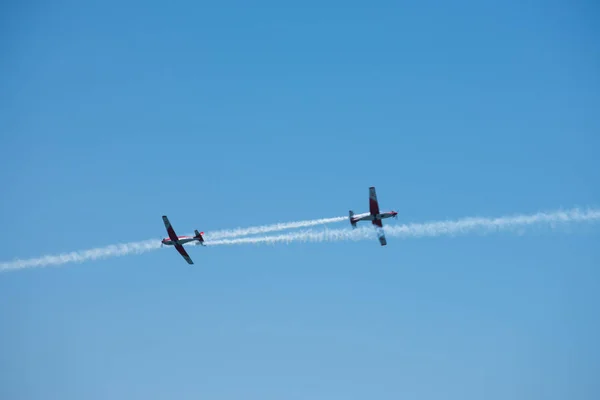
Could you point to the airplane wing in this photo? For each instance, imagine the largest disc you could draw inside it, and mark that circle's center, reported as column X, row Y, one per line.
column 185, row 255
column 380, row 233
column 382, row 239
column 373, row 203
column 170, row 230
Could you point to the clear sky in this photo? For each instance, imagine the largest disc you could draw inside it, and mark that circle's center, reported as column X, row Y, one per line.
column 233, row 113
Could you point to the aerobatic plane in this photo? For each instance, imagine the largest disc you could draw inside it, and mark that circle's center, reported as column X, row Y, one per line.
column 179, row 241
column 373, row 215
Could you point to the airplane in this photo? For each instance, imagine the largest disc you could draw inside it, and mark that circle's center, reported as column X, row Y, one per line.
column 178, row 241
column 373, row 215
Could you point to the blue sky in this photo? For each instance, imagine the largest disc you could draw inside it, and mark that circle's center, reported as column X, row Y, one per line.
column 236, row 114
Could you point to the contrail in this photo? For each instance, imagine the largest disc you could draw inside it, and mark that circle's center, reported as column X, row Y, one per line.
column 237, row 232
column 429, row 229
column 415, row 230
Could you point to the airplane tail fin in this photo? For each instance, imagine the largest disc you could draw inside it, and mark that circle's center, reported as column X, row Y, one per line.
column 199, row 237
column 351, row 217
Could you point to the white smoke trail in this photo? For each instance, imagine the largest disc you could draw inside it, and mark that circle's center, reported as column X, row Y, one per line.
column 153, row 244
column 114, row 250
column 436, row 228
column 237, row 232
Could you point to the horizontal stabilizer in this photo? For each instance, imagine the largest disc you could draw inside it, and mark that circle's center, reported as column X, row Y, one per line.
column 351, row 217
column 199, row 236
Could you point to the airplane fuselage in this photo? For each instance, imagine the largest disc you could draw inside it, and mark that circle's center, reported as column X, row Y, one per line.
column 180, row 240
column 371, row 217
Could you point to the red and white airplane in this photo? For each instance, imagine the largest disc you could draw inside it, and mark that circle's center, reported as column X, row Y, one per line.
column 179, row 241
column 373, row 215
